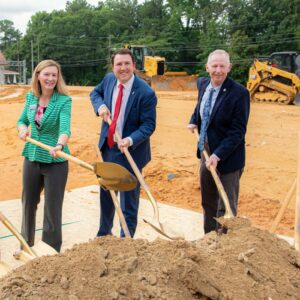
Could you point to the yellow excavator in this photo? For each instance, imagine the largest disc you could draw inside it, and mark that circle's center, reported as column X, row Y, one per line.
column 276, row 79
column 153, row 70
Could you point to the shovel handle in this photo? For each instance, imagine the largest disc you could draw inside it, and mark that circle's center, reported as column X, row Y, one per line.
column 220, row 187
column 116, row 204
column 139, row 176
column 62, row 154
column 16, row 233
column 120, row 214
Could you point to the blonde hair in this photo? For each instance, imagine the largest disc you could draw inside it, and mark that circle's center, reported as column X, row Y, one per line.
column 35, row 83
column 219, row 52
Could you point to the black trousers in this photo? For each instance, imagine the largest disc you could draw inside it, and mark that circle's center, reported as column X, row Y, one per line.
column 52, row 177
column 212, row 203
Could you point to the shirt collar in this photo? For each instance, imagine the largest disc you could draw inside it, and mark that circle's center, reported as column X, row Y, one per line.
column 128, row 84
column 217, row 88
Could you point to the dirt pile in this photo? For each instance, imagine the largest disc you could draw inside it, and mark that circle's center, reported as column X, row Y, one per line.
column 247, row 263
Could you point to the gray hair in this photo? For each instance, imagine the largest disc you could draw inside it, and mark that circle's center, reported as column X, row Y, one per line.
column 219, row 52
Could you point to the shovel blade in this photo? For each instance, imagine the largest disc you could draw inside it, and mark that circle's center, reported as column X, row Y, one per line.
column 41, row 249
column 114, row 177
column 162, row 230
column 4, row 268
column 23, row 256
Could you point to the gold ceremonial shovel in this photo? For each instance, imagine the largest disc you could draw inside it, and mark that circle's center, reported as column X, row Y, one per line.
column 116, row 204
column 163, row 229
column 27, row 253
column 111, row 176
column 4, row 268
column 220, row 187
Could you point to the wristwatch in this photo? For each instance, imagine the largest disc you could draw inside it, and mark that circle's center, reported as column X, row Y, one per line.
column 62, row 146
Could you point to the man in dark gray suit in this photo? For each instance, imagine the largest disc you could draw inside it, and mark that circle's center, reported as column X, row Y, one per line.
column 221, row 117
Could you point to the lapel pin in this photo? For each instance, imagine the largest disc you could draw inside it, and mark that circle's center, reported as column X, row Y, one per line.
column 224, row 90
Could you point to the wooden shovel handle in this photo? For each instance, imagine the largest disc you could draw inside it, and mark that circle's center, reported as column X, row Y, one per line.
column 153, row 201
column 116, row 204
column 16, row 233
column 62, row 154
column 139, row 176
column 220, row 187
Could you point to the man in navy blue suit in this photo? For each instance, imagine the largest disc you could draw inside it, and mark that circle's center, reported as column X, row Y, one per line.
column 131, row 104
column 221, row 117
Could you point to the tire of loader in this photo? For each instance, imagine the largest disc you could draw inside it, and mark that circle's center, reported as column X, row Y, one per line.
column 297, row 100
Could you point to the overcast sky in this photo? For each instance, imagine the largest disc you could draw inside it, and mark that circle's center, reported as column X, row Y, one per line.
column 20, row 11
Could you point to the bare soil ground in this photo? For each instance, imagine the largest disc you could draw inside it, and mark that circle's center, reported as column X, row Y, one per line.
column 271, row 142
column 247, row 263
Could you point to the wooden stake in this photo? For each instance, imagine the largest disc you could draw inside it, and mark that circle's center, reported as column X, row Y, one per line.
column 283, row 207
column 297, row 210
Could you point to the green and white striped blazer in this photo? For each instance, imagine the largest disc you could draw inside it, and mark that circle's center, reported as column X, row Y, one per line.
column 56, row 121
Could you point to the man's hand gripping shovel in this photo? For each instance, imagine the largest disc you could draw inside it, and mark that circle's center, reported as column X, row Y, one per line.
column 221, row 190
column 163, row 229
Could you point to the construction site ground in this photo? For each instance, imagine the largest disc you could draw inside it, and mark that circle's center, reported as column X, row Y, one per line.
column 248, row 263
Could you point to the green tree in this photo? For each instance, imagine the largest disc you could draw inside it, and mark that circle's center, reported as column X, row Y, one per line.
column 8, row 34
column 81, row 37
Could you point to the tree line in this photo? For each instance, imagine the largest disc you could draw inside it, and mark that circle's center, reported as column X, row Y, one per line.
column 82, row 37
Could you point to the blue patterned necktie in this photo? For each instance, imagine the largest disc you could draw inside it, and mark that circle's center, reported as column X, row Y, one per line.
column 205, row 119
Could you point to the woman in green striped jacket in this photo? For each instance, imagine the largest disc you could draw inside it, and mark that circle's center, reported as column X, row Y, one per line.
column 46, row 117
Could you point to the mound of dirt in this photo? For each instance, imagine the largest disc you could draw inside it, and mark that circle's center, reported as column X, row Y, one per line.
column 247, row 263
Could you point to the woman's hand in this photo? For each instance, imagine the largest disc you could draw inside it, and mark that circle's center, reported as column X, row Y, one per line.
column 23, row 133
column 53, row 153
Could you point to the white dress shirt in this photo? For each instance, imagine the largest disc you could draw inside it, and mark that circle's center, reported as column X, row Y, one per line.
column 205, row 98
column 126, row 93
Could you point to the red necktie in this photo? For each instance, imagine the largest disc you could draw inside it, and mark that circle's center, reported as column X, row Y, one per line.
column 112, row 127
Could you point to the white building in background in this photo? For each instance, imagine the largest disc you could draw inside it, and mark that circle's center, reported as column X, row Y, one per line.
column 7, row 76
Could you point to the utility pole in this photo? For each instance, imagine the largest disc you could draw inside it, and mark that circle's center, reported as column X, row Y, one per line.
column 19, row 77
column 38, row 49
column 31, row 57
column 109, row 46
column 24, row 72
column 109, row 51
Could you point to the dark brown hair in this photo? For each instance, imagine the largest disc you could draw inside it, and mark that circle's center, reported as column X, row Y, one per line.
column 122, row 51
